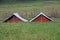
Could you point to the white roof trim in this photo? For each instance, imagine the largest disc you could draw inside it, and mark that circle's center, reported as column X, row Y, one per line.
column 39, row 15
column 18, row 16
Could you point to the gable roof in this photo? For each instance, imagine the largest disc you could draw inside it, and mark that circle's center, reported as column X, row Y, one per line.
column 18, row 16
column 40, row 15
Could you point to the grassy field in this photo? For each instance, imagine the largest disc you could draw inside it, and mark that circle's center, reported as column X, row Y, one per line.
column 30, row 31
column 29, row 9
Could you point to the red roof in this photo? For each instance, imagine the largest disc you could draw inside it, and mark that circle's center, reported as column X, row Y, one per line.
column 41, row 18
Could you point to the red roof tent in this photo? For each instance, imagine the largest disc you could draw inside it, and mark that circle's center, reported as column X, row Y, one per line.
column 15, row 18
column 41, row 18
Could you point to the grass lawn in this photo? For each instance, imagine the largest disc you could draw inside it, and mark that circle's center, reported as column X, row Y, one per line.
column 30, row 31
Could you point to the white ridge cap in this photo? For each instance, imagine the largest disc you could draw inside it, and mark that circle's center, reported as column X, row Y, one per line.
column 46, row 16
column 17, row 15
column 39, row 15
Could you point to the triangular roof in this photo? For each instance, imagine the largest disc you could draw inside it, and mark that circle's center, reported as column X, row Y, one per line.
column 18, row 16
column 40, row 15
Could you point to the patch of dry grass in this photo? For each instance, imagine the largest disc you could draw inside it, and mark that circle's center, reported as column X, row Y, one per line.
column 29, row 10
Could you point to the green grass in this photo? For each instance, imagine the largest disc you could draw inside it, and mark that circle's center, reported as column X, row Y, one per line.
column 28, row 9
column 30, row 31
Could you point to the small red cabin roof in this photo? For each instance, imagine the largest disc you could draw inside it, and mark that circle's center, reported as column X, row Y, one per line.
column 44, row 17
column 16, row 16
